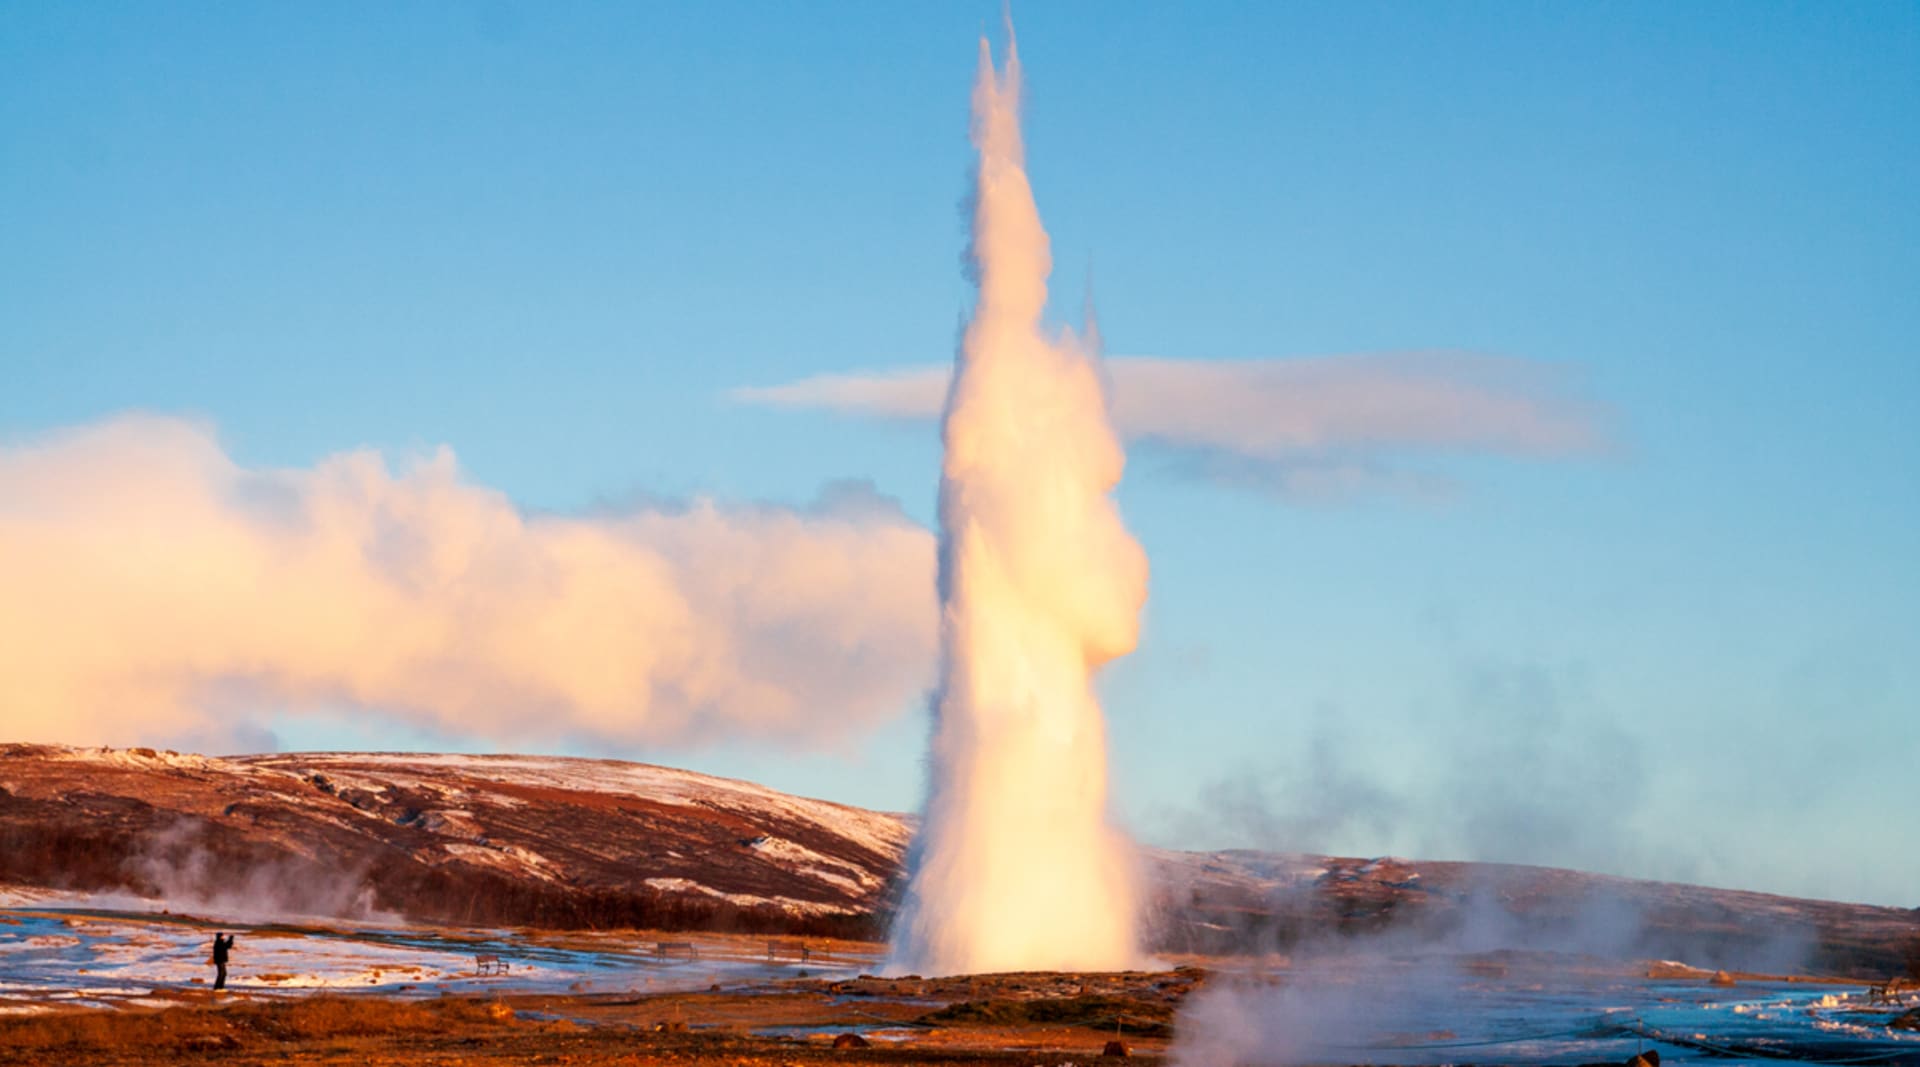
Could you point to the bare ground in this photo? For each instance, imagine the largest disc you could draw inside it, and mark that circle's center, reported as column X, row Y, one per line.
column 1002, row 1019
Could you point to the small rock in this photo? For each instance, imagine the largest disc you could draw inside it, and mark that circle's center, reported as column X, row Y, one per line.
column 1116, row 1048
column 670, row 1026
column 1722, row 978
column 1908, row 1021
column 851, row 1041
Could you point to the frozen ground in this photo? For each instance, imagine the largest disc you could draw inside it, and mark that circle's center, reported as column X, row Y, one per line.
column 1541, row 1008
column 1444, row 1010
column 66, row 951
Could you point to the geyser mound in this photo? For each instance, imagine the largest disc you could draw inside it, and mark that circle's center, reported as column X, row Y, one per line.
column 1017, row 866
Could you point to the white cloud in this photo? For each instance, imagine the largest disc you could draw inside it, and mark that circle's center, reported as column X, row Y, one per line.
column 155, row 589
column 1309, row 426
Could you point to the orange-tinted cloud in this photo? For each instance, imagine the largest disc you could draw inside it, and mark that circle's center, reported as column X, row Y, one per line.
column 155, row 589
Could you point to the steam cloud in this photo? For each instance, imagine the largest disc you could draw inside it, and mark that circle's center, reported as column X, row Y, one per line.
column 155, row 590
column 1519, row 766
column 177, row 866
column 1310, row 427
column 1017, row 867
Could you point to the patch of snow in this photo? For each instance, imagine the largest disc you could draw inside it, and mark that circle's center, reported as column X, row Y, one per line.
column 38, row 943
column 840, row 881
column 803, row 860
column 505, row 857
column 451, row 822
column 115, row 960
column 745, row 900
column 147, row 759
column 879, row 832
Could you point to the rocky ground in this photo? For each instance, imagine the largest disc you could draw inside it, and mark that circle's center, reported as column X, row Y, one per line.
column 1017, row 1019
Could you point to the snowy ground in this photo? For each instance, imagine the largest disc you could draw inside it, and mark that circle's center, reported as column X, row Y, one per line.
column 66, row 950
column 1443, row 1010
column 70, row 951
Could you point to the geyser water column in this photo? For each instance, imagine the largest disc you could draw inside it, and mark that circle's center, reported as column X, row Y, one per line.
column 1016, row 866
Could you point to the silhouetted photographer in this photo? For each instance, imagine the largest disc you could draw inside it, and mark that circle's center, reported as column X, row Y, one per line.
column 222, row 944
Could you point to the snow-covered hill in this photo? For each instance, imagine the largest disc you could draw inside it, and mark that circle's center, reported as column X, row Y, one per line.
column 482, row 839
column 576, row 843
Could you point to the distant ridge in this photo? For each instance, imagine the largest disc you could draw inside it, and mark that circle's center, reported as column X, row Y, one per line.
column 578, row 843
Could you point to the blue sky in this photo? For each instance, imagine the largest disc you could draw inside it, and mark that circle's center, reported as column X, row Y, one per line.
column 556, row 238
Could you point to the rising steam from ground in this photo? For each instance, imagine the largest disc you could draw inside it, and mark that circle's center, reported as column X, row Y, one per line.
column 1017, row 867
column 155, row 590
column 177, row 865
column 1460, row 979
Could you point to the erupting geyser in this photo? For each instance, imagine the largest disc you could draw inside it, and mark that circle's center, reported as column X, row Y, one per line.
column 1016, row 865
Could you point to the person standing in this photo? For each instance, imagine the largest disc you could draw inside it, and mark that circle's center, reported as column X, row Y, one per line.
column 222, row 944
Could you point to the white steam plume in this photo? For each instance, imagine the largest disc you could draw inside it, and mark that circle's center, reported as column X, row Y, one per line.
column 1017, row 867
column 152, row 590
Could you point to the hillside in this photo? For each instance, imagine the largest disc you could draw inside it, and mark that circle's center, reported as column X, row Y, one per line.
column 575, row 843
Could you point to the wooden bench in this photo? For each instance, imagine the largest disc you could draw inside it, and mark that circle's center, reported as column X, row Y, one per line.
column 791, row 949
column 488, row 963
column 663, row 949
column 1892, row 991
